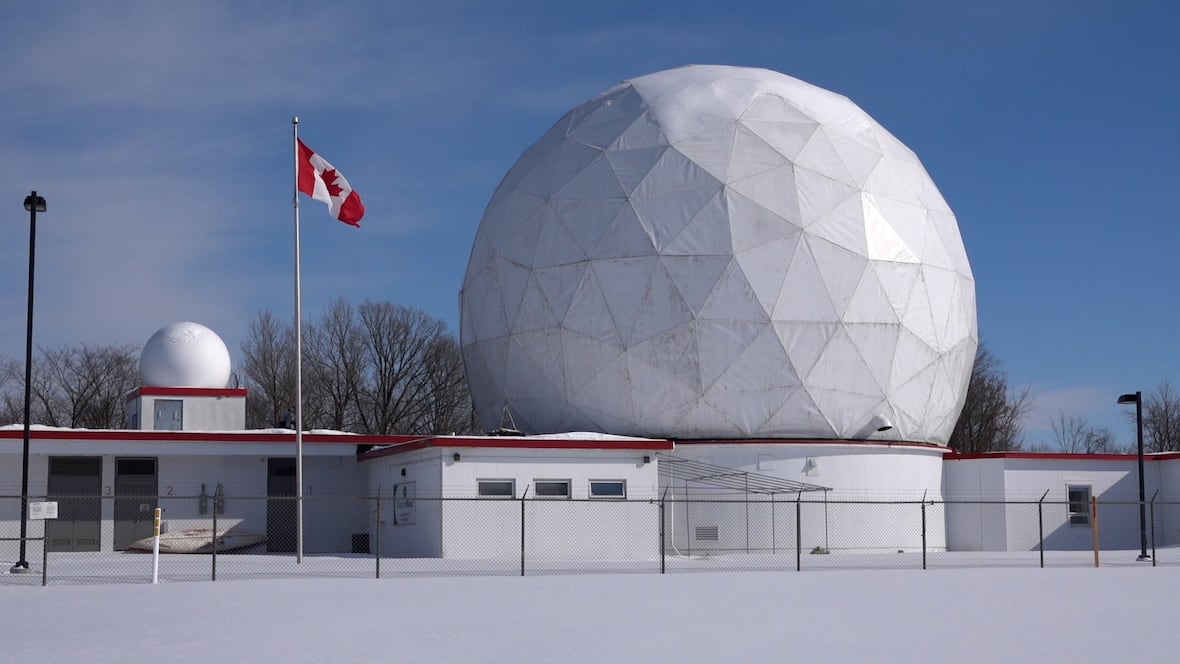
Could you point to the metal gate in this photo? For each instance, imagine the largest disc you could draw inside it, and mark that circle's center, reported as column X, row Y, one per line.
column 76, row 484
column 280, row 513
column 136, row 487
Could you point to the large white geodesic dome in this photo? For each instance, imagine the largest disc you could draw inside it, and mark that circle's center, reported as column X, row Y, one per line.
column 184, row 354
column 719, row 252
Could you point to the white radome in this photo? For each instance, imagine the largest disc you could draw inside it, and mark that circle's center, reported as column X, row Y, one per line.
column 184, row 354
column 719, row 252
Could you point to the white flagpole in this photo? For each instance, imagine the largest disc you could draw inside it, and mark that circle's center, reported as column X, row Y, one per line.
column 298, row 364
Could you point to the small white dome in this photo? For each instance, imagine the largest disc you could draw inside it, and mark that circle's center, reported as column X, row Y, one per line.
column 184, row 354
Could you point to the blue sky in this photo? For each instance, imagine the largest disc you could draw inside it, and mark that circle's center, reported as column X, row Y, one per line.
column 160, row 135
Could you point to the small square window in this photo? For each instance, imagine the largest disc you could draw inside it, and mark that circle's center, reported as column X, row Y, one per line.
column 1079, row 505
column 608, row 488
column 497, row 488
column 551, row 488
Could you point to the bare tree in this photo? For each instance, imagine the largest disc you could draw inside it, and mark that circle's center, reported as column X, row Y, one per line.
column 1161, row 419
column 1075, row 435
column 74, row 386
column 992, row 415
column 269, row 367
column 334, row 351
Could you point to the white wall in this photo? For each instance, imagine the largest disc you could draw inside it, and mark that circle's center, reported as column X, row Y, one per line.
column 200, row 413
column 972, row 525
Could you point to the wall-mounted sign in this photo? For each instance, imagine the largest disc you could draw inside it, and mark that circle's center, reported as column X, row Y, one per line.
column 403, row 504
column 43, row 510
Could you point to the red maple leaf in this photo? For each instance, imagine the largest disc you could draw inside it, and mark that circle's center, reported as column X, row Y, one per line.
column 329, row 176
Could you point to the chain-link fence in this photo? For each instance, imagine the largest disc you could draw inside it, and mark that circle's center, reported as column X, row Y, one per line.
column 109, row 539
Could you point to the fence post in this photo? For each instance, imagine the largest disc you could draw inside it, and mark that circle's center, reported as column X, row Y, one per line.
column 214, row 541
column 522, row 496
column 773, row 535
column 1041, row 526
column 1152, row 506
column 377, row 534
column 663, row 542
column 798, row 533
column 1094, row 525
column 45, row 553
column 924, row 492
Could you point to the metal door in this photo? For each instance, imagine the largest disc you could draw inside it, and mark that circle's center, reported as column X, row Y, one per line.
column 136, row 486
column 169, row 415
column 76, row 484
column 280, row 511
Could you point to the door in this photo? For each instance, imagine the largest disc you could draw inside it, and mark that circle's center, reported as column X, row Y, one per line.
column 136, row 486
column 169, row 415
column 280, row 506
column 76, row 484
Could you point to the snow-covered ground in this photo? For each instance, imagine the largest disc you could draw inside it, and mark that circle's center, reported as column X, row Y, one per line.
column 1111, row 614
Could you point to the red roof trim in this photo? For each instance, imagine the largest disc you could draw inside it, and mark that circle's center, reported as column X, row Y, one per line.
column 187, row 392
column 518, row 443
column 137, row 435
column 1062, row 456
column 789, row 441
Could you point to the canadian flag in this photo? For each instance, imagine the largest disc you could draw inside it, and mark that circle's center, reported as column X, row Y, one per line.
column 321, row 181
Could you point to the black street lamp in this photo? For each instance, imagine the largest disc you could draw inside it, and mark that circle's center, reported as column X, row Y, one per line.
column 1137, row 399
column 34, row 204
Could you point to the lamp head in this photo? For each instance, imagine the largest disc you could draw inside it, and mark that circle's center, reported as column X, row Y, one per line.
column 1125, row 399
column 35, row 203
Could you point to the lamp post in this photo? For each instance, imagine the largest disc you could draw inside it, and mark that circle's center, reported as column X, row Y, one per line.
column 34, row 204
column 1137, row 399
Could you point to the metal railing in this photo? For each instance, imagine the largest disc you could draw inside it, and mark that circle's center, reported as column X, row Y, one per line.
column 100, row 539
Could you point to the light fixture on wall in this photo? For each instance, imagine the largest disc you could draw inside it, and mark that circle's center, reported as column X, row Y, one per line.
column 646, row 459
column 456, row 457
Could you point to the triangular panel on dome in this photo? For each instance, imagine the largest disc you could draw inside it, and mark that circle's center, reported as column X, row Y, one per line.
column 675, row 172
column 626, row 237
column 918, row 317
column 843, row 226
column 805, row 297
column 665, row 215
column 787, row 138
column 842, row 368
column 858, row 128
column 711, row 150
column 707, row 233
column 889, row 180
column 752, row 225
column 805, row 342
column 508, row 208
column 512, row 279
column 588, row 220
column 749, row 411
column 870, row 303
column 845, row 410
column 932, row 196
column 607, row 397
column 817, row 195
column 583, row 358
column 761, row 364
column 644, row 132
column 556, row 245
column 559, row 284
column 913, row 396
column 720, row 343
column 534, row 365
column 876, row 345
column 518, row 243
column 596, row 180
column 943, row 223
column 704, row 420
column 882, row 242
column 694, row 276
column 774, row 191
column 625, row 283
column 766, row 266
column 663, row 372
column 733, row 298
column 821, row 156
column 604, row 120
column 798, row 417
column 588, row 315
column 897, row 279
column 661, row 310
column 935, row 252
column 912, row 357
column 752, row 155
column 632, row 166
column 485, row 306
column 486, row 363
column 859, row 159
column 959, row 324
column 841, row 270
column 940, row 287
column 774, row 108
column 534, row 312
column 942, row 395
column 682, row 121
column 569, row 159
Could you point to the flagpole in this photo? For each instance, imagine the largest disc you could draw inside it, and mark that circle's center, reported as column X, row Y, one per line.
column 298, row 362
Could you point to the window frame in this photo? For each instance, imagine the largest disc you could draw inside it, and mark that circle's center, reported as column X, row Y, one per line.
column 1073, row 516
column 569, row 489
column 479, row 488
column 621, row 483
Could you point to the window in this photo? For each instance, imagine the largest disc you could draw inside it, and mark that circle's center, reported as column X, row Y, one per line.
column 551, row 488
column 1079, row 505
column 497, row 488
column 608, row 488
